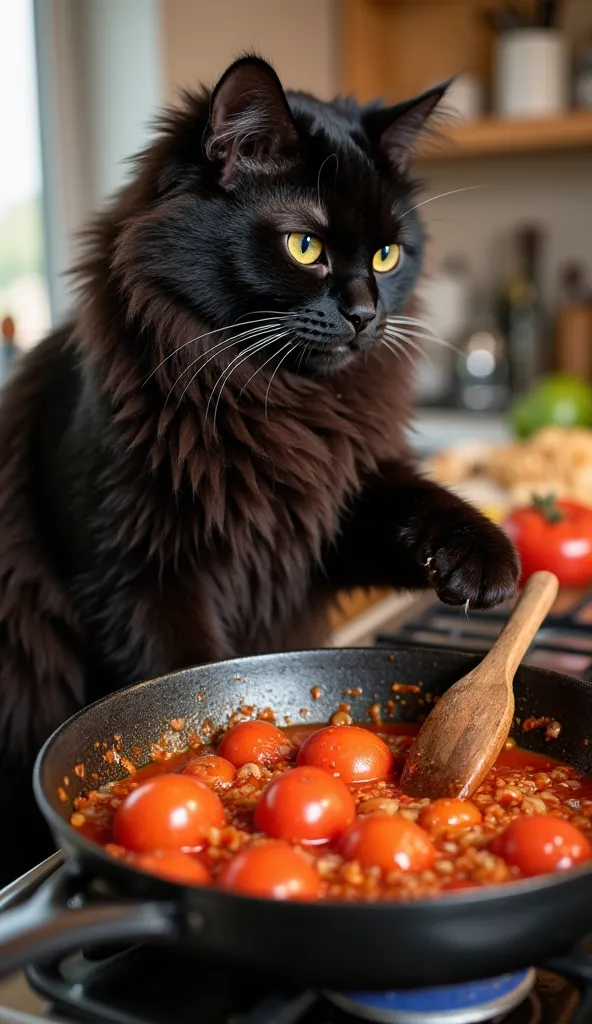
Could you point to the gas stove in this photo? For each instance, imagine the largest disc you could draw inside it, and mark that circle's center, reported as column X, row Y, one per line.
column 563, row 644
column 171, row 985
column 164, row 986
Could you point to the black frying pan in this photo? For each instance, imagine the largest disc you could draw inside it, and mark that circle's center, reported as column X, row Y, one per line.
column 458, row 937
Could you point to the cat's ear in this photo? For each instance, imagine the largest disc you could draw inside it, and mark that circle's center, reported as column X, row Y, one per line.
column 249, row 118
column 395, row 131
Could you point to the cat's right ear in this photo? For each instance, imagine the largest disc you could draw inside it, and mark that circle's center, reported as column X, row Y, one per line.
column 249, row 118
column 395, row 131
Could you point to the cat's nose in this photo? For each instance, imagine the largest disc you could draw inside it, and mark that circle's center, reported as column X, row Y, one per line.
column 359, row 316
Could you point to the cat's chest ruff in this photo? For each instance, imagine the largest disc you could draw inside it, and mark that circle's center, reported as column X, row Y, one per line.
column 311, row 444
column 271, row 478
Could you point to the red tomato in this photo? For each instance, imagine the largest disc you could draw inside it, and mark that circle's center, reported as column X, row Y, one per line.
column 389, row 843
column 554, row 536
column 305, row 805
column 174, row 866
column 255, row 743
column 212, row 770
column 271, row 869
column 542, row 843
column 447, row 813
column 167, row 812
column 353, row 753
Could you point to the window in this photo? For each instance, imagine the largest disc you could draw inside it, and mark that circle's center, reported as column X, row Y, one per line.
column 23, row 285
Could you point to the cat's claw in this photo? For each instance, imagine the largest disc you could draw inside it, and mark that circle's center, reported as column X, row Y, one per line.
column 474, row 566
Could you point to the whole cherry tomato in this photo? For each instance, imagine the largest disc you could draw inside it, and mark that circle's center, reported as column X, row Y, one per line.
column 167, row 812
column 388, row 842
column 174, row 866
column 255, row 743
column 272, row 869
column 556, row 536
column 352, row 753
column 542, row 843
column 212, row 770
column 305, row 805
column 448, row 814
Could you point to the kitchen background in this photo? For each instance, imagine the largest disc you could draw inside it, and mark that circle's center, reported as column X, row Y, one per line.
column 507, row 187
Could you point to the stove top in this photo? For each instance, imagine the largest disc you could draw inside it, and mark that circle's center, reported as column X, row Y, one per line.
column 563, row 644
column 165, row 986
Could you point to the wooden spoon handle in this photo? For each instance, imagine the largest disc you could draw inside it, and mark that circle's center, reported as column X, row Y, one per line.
column 536, row 600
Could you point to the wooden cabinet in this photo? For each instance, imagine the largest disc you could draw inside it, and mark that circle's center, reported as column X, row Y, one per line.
column 397, row 48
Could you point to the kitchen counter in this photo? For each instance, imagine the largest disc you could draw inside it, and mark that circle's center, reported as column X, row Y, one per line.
column 434, row 429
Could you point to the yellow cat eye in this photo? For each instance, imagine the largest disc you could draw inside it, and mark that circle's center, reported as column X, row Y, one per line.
column 386, row 258
column 305, row 249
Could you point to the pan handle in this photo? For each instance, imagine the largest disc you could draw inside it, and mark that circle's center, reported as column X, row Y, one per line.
column 52, row 921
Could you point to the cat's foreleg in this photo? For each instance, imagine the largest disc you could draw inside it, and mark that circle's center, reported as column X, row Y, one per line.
column 405, row 531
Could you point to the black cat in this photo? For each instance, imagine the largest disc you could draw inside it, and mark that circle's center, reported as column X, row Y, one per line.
column 215, row 444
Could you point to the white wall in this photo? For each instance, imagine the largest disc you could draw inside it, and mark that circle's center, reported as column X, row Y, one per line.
column 201, row 37
column 551, row 190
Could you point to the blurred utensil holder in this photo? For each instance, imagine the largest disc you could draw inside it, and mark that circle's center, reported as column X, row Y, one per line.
column 531, row 73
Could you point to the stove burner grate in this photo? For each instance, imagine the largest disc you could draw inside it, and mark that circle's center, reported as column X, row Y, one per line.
column 147, row 985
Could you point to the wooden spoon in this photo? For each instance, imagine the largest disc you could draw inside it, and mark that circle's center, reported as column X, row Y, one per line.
column 464, row 733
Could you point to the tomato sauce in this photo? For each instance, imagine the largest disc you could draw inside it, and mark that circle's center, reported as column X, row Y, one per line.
column 326, row 805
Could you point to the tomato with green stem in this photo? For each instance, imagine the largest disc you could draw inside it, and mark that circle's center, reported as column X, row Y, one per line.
column 556, row 536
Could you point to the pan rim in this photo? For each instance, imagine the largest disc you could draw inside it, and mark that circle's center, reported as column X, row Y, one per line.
column 457, row 899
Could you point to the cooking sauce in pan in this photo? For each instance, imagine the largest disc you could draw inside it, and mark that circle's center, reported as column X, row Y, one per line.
column 316, row 812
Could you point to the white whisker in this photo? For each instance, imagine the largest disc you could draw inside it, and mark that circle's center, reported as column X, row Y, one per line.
column 392, row 348
column 253, row 375
column 441, row 195
column 411, row 321
column 402, row 349
column 289, row 346
column 403, row 341
column 434, row 338
column 240, row 357
column 332, row 156
column 218, row 350
column 306, row 348
column 232, row 366
column 200, row 337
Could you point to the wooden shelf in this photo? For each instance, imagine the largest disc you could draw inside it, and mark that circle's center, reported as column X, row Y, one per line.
column 395, row 49
column 494, row 136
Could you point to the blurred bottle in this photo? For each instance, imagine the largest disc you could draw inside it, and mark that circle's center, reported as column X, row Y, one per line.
column 521, row 317
column 446, row 305
column 482, row 377
column 583, row 79
column 573, row 329
column 9, row 349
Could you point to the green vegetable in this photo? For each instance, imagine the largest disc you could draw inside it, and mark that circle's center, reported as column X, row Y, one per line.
column 557, row 400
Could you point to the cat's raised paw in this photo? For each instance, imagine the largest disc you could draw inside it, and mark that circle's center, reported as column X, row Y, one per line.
column 476, row 563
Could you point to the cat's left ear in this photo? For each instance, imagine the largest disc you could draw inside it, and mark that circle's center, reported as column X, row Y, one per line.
column 249, row 118
column 395, row 131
